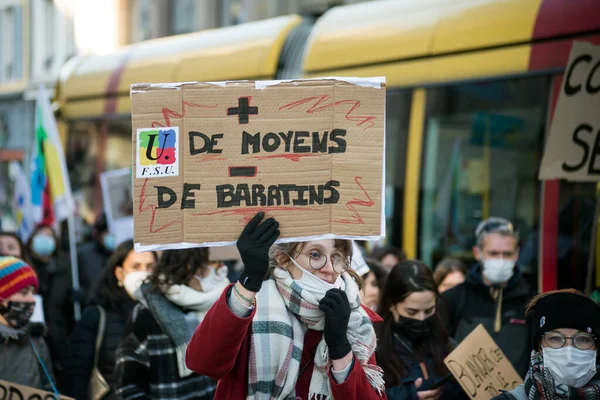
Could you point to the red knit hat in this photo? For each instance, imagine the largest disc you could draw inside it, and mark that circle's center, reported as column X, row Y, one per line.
column 15, row 274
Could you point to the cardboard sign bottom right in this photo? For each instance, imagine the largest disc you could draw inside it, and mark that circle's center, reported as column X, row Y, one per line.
column 480, row 367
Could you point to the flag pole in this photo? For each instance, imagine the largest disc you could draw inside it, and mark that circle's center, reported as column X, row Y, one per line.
column 74, row 266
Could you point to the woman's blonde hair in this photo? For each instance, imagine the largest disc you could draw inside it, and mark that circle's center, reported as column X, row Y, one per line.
column 279, row 256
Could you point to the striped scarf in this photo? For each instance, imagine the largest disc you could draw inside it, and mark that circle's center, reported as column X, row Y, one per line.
column 541, row 385
column 284, row 312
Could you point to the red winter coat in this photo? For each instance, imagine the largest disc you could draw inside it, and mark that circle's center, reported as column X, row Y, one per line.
column 220, row 349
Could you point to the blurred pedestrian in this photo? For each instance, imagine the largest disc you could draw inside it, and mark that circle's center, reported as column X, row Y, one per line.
column 412, row 340
column 292, row 327
column 151, row 359
column 11, row 245
column 21, row 341
column 450, row 272
column 388, row 256
column 374, row 281
column 54, row 273
column 104, row 322
column 92, row 258
column 494, row 294
column 565, row 340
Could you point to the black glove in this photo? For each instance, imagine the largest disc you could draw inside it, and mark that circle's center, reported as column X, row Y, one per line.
column 254, row 244
column 336, row 307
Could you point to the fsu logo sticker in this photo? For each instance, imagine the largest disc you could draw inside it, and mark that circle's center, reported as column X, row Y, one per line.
column 157, row 152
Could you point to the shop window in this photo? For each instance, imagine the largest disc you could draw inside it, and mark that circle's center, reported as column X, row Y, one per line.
column 482, row 148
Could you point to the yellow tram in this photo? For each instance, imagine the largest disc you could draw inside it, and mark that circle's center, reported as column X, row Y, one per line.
column 471, row 90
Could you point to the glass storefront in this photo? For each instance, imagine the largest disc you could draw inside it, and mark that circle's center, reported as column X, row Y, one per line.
column 483, row 143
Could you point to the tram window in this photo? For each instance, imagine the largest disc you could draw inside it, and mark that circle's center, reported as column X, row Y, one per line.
column 397, row 117
column 575, row 220
column 483, row 143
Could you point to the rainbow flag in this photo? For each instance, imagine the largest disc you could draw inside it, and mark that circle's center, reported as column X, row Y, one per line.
column 51, row 196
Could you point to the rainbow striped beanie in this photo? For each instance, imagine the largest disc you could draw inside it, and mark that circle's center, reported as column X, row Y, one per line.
column 15, row 274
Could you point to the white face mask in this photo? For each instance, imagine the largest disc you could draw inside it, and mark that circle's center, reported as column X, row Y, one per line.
column 314, row 284
column 498, row 270
column 215, row 279
column 570, row 366
column 133, row 281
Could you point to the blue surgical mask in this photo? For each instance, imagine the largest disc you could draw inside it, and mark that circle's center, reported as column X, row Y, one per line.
column 43, row 245
column 109, row 242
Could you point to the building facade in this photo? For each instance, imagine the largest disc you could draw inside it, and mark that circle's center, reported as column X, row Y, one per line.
column 36, row 39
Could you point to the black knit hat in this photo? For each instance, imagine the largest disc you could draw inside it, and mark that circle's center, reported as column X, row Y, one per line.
column 565, row 310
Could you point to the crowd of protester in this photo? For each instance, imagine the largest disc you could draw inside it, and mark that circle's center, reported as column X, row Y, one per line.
column 301, row 321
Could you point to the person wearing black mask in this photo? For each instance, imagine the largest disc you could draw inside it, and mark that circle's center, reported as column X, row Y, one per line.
column 412, row 340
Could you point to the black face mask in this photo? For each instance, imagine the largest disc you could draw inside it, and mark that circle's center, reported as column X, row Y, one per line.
column 17, row 313
column 413, row 329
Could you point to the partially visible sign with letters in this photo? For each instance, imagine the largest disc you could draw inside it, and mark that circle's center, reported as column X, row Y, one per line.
column 481, row 367
column 573, row 147
column 12, row 391
column 118, row 202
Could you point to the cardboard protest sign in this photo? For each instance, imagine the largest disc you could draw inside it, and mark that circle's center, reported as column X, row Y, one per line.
column 118, row 202
column 208, row 156
column 573, row 147
column 480, row 366
column 12, row 391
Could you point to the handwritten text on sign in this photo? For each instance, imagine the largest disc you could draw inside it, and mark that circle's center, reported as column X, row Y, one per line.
column 12, row 391
column 209, row 156
column 480, row 366
column 573, row 147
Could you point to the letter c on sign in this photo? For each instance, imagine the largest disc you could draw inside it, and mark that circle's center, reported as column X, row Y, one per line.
column 570, row 90
column 593, row 73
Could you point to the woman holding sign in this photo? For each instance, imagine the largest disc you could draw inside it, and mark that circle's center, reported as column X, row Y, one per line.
column 565, row 341
column 412, row 341
column 291, row 327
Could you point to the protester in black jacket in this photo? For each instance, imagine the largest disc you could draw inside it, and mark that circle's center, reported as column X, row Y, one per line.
column 412, row 342
column 54, row 272
column 494, row 294
column 124, row 273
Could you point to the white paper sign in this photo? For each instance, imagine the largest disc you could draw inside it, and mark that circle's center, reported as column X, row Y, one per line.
column 118, row 203
column 573, row 148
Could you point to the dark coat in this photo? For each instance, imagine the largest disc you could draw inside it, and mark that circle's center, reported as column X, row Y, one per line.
column 56, row 291
column 471, row 303
column 83, row 348
column 407, row 389
column 18, row 362
column 92, row 258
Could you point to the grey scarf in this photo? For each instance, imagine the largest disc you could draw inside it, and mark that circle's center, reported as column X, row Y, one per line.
column 174, row 321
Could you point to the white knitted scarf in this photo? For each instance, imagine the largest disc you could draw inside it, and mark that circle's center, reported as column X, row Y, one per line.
column 284, row 312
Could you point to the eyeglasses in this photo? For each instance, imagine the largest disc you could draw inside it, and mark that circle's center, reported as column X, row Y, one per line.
column 582, row 340
column 318, row 260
